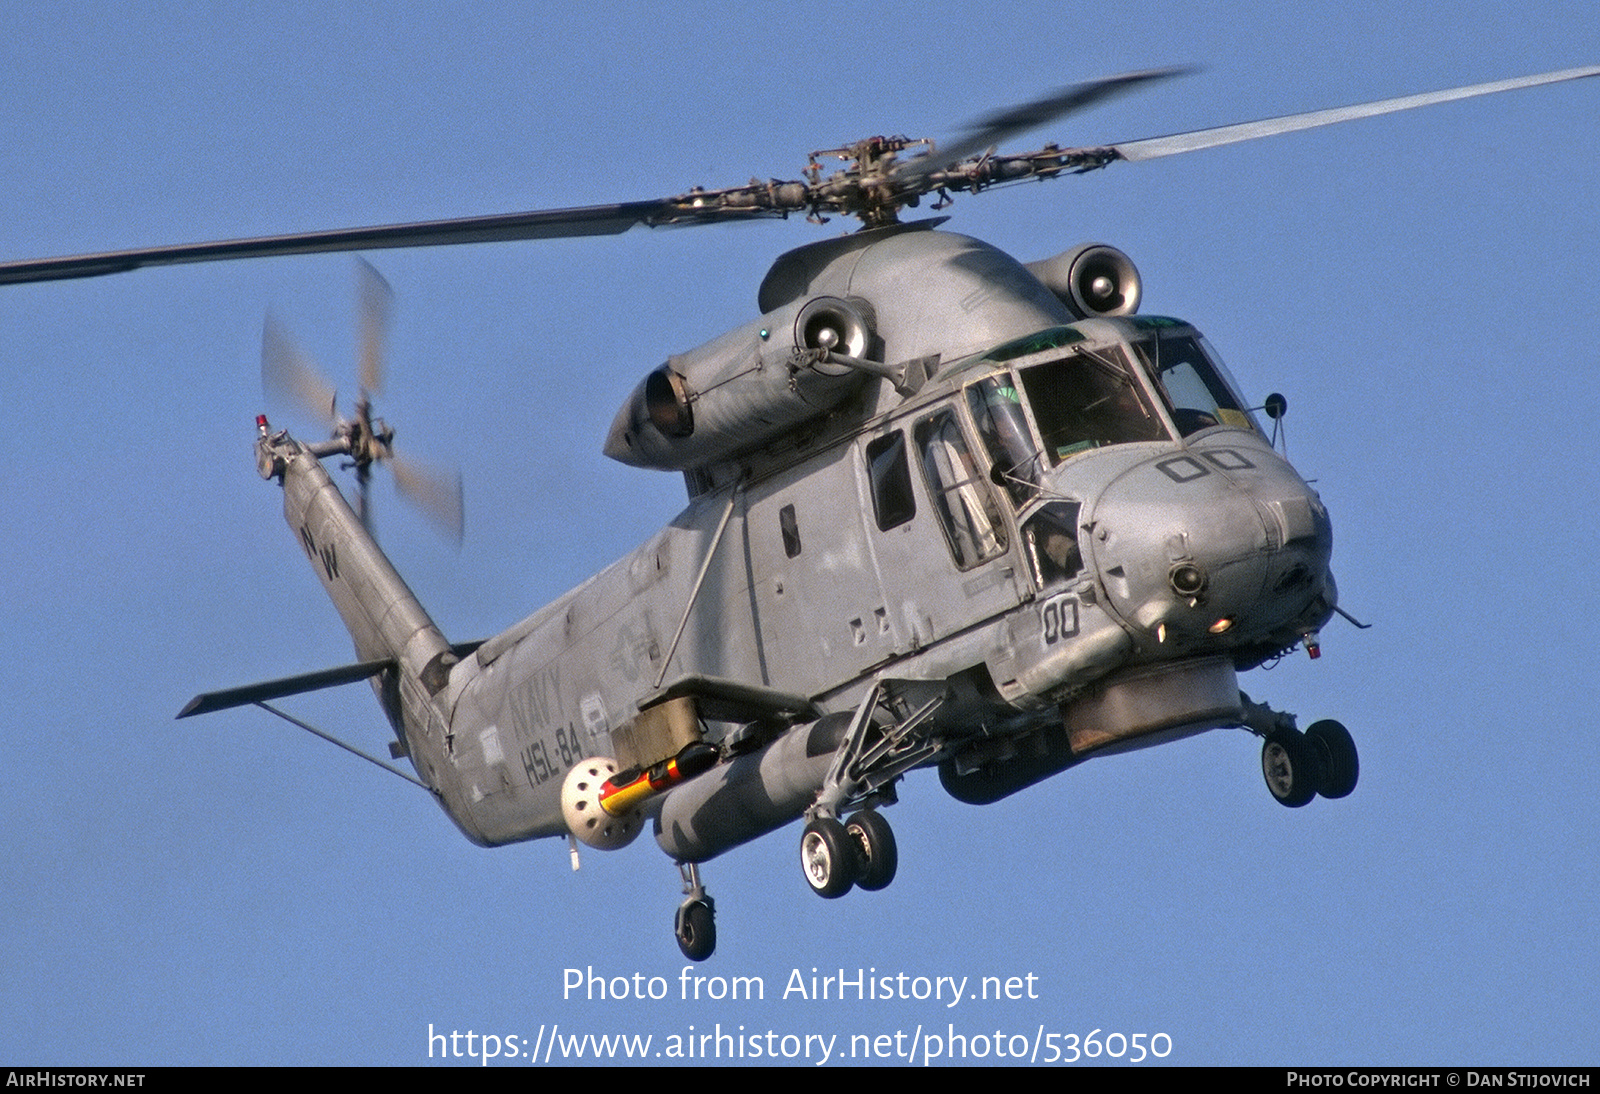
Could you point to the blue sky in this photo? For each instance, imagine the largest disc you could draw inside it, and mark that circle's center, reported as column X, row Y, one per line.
column 1424, row 288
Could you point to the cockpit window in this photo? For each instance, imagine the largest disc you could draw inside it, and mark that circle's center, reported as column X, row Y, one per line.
column 1197, row 394
column 1051, row 536
column 959, row 494
column 997, row 411
column 1088, row 400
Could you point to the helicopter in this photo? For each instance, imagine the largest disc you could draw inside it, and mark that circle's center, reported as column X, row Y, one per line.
column 946, row 509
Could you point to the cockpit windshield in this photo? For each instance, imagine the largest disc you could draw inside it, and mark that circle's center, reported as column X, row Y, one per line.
column 1088, row 395
column 1157, row 381
column 1196, row 389
column 1087, row 400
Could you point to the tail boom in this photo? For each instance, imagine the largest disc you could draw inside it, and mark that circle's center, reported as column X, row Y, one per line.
column 383, row 616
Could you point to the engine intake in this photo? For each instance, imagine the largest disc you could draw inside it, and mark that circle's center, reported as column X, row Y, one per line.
column 1092, row 279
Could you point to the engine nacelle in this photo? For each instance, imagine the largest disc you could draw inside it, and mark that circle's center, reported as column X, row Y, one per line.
column 583, row 814
column 1092, row 279
column 746, row 388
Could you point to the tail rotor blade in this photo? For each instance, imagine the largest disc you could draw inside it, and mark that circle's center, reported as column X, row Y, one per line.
column 436, row 493
column 289, row 375
column 364, row 495
column 376, row 301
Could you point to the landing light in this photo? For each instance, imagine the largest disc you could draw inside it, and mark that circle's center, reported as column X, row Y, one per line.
column 1221, row 626
column 1187, row 580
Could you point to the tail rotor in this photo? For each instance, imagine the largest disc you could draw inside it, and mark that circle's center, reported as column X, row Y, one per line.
column 290, row 376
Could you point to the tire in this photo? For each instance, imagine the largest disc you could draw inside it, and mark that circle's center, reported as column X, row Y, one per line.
column 1292, row 767
column 1340, row 763
column 877, row 855
column 696, row 928
column 827, row 858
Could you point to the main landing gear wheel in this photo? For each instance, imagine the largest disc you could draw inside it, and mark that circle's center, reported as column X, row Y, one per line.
column 696, row 928
column 828, row 858
column 1292, row 766
column 1341, row 767
column 877, row 856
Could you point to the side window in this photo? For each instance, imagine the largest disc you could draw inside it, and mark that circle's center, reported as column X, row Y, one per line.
column 790, row 529
column 1050, row 537
column 997, row 411
column 965, row 506
column 890, row 473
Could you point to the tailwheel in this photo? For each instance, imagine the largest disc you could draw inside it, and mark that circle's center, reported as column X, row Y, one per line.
column 877, row 856
column 1341, row 766
column 696, row 928
column 695, row 924
column 1292, row 766
column 828, row 858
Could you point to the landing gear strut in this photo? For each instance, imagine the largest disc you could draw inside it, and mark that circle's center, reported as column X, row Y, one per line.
column 873, row 755
column 695, row 923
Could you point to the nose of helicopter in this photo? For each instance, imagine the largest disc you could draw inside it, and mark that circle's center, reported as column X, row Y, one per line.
column 1213, row 548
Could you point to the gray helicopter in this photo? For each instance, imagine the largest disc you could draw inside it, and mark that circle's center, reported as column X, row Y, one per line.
column 946, row 509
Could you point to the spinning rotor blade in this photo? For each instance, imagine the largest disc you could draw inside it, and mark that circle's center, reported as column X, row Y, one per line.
column 375, row 301
column 289, row 375
column 997, row 128
column 437, row 494
column 1156, row 147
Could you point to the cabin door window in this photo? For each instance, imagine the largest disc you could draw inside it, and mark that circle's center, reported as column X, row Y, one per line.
column 966, row 508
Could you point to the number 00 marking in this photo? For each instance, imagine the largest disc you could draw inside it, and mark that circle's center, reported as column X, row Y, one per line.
column 1058, row 618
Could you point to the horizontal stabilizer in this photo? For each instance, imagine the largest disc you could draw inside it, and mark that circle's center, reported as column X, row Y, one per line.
column 288, row 685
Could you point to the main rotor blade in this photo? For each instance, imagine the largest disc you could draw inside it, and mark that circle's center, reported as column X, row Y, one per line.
column 1002, row 125
column 1156, row 147
column 839, row 193
column 591, row 220
column 287, row 373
